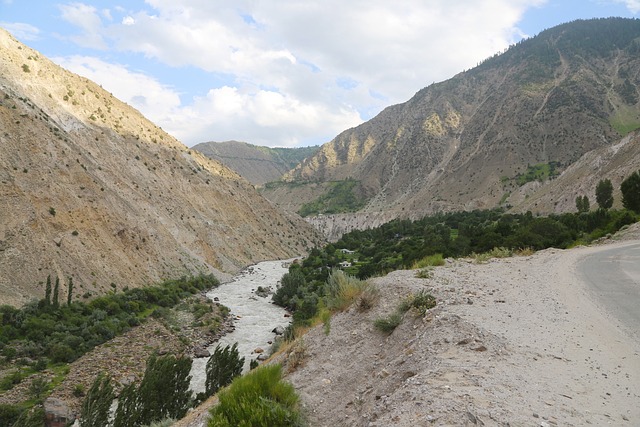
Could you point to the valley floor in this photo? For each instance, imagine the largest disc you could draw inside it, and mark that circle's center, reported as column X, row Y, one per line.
column 517, row 341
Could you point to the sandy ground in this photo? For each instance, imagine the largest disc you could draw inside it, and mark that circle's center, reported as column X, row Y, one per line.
column 516, row 341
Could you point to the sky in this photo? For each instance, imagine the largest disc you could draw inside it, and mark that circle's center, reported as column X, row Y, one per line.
column 282, row 73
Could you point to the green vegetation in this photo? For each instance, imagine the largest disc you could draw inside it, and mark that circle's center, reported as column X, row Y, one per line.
column 630, row 189
column 61, row 333
column 582, row 204
column 163, row 393
column 540, row 172
column 96, row 405
column 343, row 196
column 428, row 261
column 604, row 194
column 388, row 324
column 400, row 244
column 625, row 120
column 222, row 367
column 259, row 398
column 420, row 303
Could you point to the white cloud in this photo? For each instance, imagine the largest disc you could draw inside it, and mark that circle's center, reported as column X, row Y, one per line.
column 155, row 100
column 301, row 69
column 21, row 31
column 88, row 19
column 632, row 5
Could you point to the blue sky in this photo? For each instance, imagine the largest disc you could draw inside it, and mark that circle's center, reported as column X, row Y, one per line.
column 278, row 72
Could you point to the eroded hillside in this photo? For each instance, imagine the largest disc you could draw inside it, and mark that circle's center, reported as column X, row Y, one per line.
column 90, row 189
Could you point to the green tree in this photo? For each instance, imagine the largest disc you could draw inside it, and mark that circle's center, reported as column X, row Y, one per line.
column 222, row 367
column 70, row 291
column 127, row 414
column 56, row 293
column 604, row 194
column 47, row 291
column 290, row 283
column 164, row 390
column 96, row 404
column 630, row 189
column 582, row 204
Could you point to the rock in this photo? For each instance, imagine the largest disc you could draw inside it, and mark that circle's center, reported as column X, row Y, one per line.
column 480, row 348
column 258, row 350
column 201, row 352
column 262, row 357
column 464, row 341
column 287, row 315
column 57, row 413
column 278, row 330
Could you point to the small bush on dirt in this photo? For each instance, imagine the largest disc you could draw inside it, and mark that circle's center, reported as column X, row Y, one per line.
column 422, row 301
column 259, row 398
column 424, row 273
column 429, row 261
column 493, row 253
column 388, row 324
column 343, row 290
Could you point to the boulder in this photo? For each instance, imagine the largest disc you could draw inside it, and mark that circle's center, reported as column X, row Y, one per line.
column 199, row 352
column 57, row 413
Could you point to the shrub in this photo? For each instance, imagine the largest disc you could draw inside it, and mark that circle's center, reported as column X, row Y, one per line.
column 429, row 261
column 342, row 290
column 259, row 398
column 422, row 302
column 9, row 414
column 388, row 324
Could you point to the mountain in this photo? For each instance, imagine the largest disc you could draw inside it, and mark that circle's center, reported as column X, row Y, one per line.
column 256, row 164
column 91, row 189
column 495, row 135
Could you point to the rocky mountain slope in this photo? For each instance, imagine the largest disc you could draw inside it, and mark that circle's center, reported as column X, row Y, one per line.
column 91, row 189
column 469, row 142
column 256, row 164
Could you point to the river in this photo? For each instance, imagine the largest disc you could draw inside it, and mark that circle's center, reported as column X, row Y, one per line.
column 255, row 316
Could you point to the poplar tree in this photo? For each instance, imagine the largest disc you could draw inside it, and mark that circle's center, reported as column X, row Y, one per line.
column 47, row 291
column 56, row 291
column 222, row 367
column 96, row 405
column 70, row 291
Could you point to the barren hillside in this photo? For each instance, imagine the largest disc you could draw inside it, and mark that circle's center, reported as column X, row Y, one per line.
column 90, row 189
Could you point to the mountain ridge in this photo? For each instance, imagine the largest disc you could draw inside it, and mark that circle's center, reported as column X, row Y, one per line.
column 462, row 144
column 258, row 165
column 91, row 189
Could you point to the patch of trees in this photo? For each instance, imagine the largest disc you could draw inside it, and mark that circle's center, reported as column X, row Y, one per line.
column 163, row 392
column 400, row 244
column 343, row 196
column 47, row 330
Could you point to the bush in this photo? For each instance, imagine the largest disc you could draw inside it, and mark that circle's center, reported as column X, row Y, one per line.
column 429, row 261
column 259, row 398
column 342, row 290
column 388, row 324
column 9, row 414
